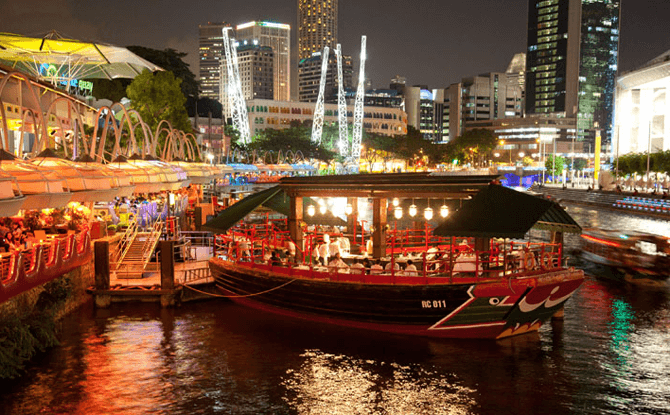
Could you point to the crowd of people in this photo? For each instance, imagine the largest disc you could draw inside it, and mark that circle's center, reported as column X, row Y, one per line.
column 13, row 235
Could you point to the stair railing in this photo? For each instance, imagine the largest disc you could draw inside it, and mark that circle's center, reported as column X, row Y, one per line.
column 125, row 243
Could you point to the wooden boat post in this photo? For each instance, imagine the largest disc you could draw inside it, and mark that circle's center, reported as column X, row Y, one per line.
column 294, row 223
column 379, row 209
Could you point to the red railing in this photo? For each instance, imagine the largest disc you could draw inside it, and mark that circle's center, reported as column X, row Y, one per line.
column 442, row 261
column 25, row 269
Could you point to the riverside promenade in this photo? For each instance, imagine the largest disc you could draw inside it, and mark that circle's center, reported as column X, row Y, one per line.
column 641, row 204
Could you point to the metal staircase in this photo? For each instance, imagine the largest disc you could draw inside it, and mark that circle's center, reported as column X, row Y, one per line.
column 135, row 250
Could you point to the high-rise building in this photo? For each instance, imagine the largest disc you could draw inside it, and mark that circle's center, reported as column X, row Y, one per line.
column 317, row 26
column 572, row 62
column 278, row 37
column 210, row 51
column 309, row 77
column 256, row 66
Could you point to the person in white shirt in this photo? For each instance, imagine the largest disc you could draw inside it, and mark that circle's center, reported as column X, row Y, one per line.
column 410, row 269
column 324, row 253
column 395, row 266
column 357, row 267
column 368, row 246
column 334, row 248
column 315, row 253
column 336, row 264
column 345, row 246
column 377, row 268
column 291, row 248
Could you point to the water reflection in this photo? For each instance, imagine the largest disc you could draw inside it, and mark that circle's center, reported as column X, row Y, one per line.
column 337, row 384
column 609, row 356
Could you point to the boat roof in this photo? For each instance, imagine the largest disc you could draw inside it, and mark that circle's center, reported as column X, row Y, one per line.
column 273, row 198
column 500, row 212
column 401, row 185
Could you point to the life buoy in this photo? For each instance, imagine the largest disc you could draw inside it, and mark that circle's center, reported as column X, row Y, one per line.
column 547, row 260
column 530, row 261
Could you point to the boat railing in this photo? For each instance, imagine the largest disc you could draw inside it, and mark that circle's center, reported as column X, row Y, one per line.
column 454, row 264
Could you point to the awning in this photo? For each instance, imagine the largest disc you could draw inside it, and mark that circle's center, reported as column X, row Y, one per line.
column 499, row 212
column 273, row 198
column 235, row 213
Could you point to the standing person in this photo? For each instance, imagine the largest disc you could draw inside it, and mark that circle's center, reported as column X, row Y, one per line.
column 334, row 247
column 315, row 253
column 324, row 253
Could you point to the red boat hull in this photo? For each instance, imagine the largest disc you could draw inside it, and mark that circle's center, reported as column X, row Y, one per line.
column 470, row 308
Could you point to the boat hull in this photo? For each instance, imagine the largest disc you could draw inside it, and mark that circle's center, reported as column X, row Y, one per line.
column 470, row 309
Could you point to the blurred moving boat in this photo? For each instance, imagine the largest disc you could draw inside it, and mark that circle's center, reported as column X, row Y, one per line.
column 637, row 257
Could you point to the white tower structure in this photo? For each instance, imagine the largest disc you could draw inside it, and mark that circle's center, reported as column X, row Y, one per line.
column 236, row 100
column 358, row 107
column 341, row 107
column 317, row 125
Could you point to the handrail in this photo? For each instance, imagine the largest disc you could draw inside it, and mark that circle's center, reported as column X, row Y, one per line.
column 127, row 240
column 24, row 269
column 151, row 242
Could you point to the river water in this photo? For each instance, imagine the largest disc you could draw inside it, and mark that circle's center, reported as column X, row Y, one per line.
column 610, row 355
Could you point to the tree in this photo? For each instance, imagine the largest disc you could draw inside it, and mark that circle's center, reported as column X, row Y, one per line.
column 554, row 169
column 295, row 138
column 158, row 96
column 580, row 164
column 172, row 61
column 474, row 145
column 168, row 59
column 205, row 106
column 113, row 90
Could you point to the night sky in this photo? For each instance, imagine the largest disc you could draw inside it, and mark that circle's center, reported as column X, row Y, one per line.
column 430, row 42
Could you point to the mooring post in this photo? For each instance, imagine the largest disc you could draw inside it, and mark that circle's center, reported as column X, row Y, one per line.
column 198, row 217
column 167, row 273
column 101, row 267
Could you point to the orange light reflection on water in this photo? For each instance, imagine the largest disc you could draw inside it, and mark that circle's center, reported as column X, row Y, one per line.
column 337, row 384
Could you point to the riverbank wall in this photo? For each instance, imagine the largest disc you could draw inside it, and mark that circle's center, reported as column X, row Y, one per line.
column 645, row 205
column 29, row 322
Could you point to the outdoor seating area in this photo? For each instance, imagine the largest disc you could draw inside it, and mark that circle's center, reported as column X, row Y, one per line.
column 268, row 247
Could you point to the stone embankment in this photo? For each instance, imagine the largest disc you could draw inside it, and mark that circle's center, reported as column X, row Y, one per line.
column 647, row 205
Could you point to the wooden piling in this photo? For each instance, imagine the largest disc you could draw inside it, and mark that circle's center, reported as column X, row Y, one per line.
column 101, row 266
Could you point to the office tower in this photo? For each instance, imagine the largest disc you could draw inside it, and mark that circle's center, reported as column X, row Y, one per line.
column 572, row 62
column 278, row 37
column 516, row 71
column 210, row 51
column 256, row 66
column 309, row 77
column 317, row 26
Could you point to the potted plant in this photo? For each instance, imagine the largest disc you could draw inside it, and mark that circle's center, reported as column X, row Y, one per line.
column 111, row 230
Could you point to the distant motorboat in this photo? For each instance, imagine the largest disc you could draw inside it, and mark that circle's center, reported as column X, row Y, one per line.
column 637, row 257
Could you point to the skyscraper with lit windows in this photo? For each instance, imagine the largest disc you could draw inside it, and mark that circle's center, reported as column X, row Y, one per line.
column 317, row 26
column 210, row 50
column 278, row 37
column 572, row 62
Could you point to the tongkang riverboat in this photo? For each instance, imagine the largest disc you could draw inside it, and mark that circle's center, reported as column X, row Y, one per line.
column 473, row 276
